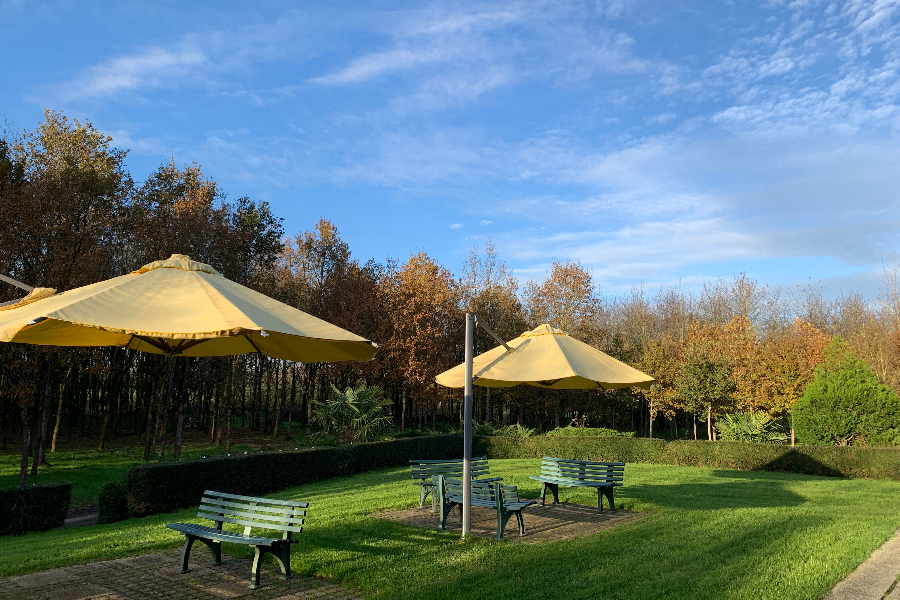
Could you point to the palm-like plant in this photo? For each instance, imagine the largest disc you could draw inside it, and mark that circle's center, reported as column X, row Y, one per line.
column 750, row 427
column 355, row 414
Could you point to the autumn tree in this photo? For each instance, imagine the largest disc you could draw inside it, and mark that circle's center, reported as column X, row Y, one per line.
column 423, row 301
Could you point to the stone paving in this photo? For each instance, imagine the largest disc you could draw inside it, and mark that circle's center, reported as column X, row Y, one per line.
column 542, row 523
column 875, row 579
column 157, row 576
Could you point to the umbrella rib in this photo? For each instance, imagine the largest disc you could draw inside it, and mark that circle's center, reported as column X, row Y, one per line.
column 252, row 343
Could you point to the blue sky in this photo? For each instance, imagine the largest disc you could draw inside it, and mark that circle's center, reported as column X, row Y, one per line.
column 658, row 143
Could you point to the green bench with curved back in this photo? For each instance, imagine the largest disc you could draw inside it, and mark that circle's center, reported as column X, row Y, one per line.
column 488, row 494
column 424, row 472
column 605, row 476
column 284, row 516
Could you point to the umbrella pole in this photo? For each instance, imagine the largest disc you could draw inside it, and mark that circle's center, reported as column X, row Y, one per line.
column 467, row 429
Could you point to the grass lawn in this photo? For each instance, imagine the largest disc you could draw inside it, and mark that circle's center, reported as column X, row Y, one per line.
column 708, row 534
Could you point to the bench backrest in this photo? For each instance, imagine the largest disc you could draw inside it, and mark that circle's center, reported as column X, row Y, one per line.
column 426, row 469
column 484, row 493
column 263, row 513
column 583, row 470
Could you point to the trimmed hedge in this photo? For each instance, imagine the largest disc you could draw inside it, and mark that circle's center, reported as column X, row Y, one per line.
column 831, row 461
column 112, row 505
column 34, row 507
column 165, row 486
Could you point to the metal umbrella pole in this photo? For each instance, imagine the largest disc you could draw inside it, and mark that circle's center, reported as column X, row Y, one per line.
column 467, row 428
column 471, row 322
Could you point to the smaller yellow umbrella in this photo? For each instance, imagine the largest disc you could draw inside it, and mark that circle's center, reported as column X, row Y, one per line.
column 548, row 358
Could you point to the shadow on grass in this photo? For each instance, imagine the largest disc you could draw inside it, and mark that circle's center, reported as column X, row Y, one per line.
column 798, row 462
column 757, row 491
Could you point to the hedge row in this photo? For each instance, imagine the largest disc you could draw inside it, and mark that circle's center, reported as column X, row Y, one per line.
column 153, row 488
column 34, row 507
column 832, row 461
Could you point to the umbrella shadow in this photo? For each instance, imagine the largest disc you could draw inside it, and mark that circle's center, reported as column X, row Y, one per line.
column 756, row 491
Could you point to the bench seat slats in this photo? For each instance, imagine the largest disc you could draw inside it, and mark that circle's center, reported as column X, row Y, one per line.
column 488, row 494
column 258, row 500
column 284, row 516
column 580, row 473
column 447, row 460
column 250, row 523
column 251, row 515
column 550, row 459
column 275, row 510
column 571, row 483
column 226, row 536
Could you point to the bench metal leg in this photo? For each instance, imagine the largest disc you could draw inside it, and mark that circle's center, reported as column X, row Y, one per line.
column 254, row 571
column 554, row 488
column 285, row 561
column 521, row 521
column 186, row 551
column 608, row 492
column 214, row 547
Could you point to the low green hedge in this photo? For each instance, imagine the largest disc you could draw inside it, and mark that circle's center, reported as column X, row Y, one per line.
column 34, row 507
column 112, row 505
column 165, row 486
column 832, row 461
column 606, row 448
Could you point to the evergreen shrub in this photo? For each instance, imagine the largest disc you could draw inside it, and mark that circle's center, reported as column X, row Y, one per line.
column 165, row 486
column 34, row 507
column 589, row 431
column 845, row 405
column 112, row 505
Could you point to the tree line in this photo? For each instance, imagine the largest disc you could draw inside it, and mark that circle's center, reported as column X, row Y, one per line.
column 73, row 215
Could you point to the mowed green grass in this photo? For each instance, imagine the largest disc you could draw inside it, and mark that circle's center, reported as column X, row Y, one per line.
column 707, row 534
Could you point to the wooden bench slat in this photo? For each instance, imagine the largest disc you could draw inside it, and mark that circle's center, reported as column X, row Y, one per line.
column 446, row 460
column 217, row 507
column 223, row 535
column 259, row 500
column 264, row 520
column 269, row 509
column 582, row 462
column 273, row 526
column 580, row 473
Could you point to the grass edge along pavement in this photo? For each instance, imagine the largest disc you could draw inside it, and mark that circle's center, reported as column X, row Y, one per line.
column 708, row 534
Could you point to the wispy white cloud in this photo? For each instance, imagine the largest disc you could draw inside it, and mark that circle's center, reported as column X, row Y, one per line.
column 152, row 68
column 456, row 226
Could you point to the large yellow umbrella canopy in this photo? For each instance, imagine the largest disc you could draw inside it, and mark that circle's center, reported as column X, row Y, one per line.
column 548, row 358
column 179, row 307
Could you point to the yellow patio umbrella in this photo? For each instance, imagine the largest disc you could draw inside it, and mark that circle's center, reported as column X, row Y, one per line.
column 543, row 357
column 548, row 358
column 179, row 307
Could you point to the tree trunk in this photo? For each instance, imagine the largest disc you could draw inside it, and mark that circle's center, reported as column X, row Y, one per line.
column 557, row 408
column 179, row 412
column 487, row 406
column 229, row 379
column 650, row 417
column 26, row 443
column 403, row 412
column 279, row 400
column 695, row 427
column 164, row 413
column 709, row 423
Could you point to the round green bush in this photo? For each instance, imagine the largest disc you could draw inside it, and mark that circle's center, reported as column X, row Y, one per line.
column 845, row 405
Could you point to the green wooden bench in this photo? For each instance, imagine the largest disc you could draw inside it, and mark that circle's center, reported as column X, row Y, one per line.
column 488, row 494
column 261, row 513
column 604, row 476
column 424, row 472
